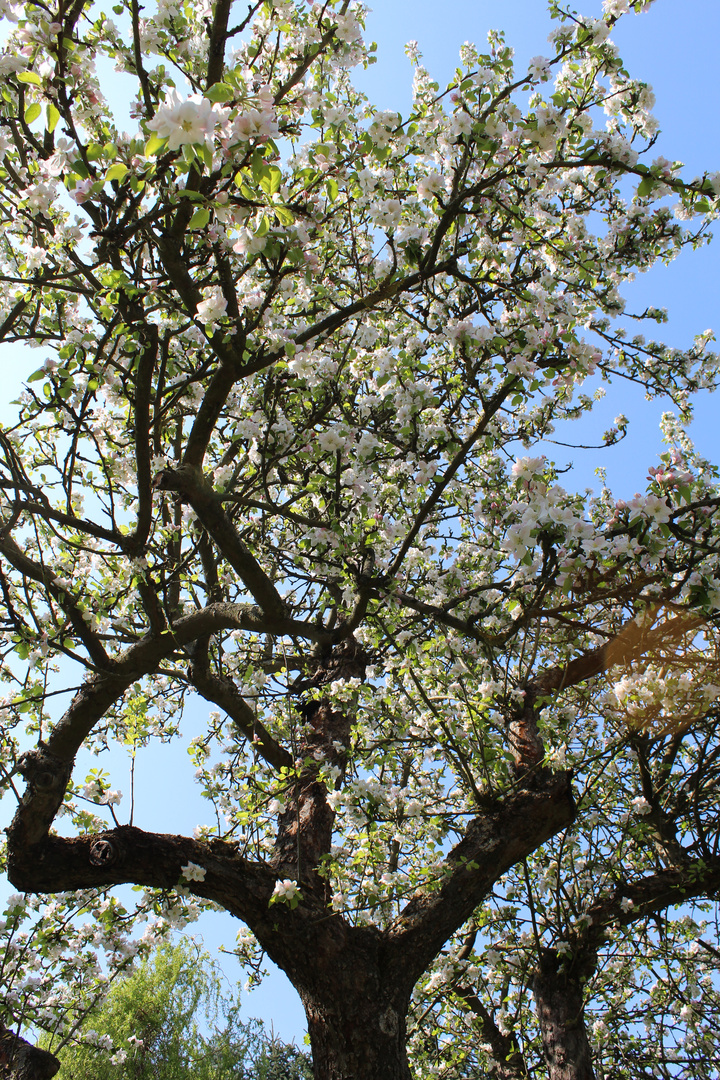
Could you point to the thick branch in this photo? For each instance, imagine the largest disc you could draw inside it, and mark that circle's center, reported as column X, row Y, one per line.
column 558, row 990
column 218, row 37
column 507, row 1061
column 191, row 485
column 222, row 691
column 155, row 860
column 651, row 896
column 633, row 640
column 493, row 843
column 143, row 394
column 20, row 1060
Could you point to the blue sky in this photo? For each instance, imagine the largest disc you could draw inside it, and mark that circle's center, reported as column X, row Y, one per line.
column 673, row 47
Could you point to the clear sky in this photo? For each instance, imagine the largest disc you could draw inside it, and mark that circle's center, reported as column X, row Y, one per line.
column 674, row 48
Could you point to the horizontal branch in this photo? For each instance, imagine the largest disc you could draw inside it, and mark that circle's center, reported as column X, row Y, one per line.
column 633, row 641
column 128, row 855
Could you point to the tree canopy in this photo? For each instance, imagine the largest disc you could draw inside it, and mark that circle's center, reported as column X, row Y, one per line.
column 287, row 458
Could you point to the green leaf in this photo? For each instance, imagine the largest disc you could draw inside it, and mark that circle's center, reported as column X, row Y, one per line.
column 271, row 180
column 258, row 166
column 52, row 116
column 219, row 92
column 32, row 112
column 116, row 172
column 283, row 215
column 29, row 77
column 263, row 227
column 154, row 145
column 199, row 219
column 645, row 187
column 331, row 186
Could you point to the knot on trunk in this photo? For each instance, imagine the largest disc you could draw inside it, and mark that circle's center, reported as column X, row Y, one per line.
column 43, row 771
column 389, row 1021
column 103, row 852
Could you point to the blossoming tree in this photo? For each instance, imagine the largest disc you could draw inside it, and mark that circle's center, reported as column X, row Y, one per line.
column 460, row 723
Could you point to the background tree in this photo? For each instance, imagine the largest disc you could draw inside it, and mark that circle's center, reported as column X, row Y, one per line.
column 461, row 746
column 168, row 1020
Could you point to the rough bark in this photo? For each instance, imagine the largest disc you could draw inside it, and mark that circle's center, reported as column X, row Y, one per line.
column 20, row 1060
column 362, row 1035
column 558, row 990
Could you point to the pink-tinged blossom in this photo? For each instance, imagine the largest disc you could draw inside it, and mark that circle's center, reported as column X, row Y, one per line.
column 526, row 467
column 253, row 124
column 212, row 307
column 539, row 68
column 348, row 28
column 430, row 185
column 186, row 122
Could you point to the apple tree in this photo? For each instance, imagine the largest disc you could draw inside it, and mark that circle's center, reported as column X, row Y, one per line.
column 284, row 462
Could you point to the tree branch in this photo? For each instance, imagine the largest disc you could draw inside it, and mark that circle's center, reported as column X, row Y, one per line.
column 190, row 483
column 493, row 843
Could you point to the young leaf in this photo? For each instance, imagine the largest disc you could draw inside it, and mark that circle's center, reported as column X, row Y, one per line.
column 116, row 171
column 32, row 112
column 199, row 219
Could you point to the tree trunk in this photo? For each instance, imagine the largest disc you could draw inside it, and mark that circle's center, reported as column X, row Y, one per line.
column 558, row 991
column 362, row 1037
column 20, row 1060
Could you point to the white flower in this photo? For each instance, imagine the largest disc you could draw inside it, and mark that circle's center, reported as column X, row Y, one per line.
column 430, row 185
column 525, row 467
column 331, row 440
column 641, row 806
column 193, row 872
column 36, row 257
column 539, row 68
column 348, row 28
column 285, row 890
column 412, row 51
column 254, row 124
column 626, row 904
column 212, row 307
column 190, row 121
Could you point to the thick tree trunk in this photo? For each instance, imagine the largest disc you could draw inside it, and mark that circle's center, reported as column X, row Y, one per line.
column 363, row 1037
column 20, row 1060
column 558, row 990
